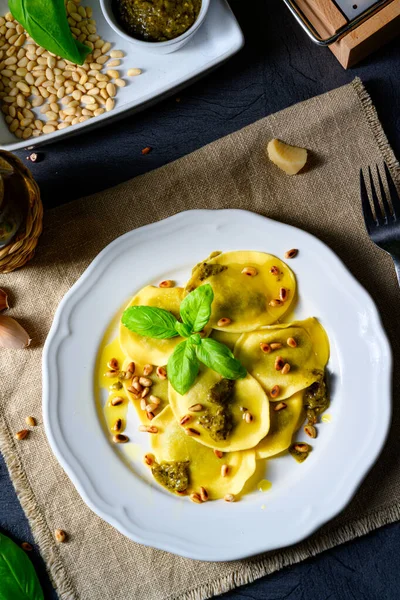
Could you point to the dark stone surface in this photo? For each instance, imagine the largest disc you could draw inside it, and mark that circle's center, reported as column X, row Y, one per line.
column 278, row 67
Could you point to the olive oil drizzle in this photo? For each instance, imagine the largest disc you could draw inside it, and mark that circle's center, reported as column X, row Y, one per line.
column 112, row 413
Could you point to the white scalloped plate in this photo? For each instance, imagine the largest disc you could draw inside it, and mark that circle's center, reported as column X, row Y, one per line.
column 303, row 496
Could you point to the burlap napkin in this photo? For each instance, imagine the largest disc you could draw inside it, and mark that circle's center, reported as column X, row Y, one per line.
column 343, row 133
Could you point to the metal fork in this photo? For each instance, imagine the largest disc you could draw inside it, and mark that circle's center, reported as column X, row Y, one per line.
column 382, row 220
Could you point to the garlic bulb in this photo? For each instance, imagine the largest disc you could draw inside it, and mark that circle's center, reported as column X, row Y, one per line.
column 3, row 300
column 12, row 334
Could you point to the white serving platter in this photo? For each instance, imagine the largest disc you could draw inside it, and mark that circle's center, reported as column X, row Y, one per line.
column 112, row 480
column 217, row 39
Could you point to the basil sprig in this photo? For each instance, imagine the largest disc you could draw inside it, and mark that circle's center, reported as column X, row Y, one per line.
column 46, row 22
column 183, row 364
column 17, row 575
column 218, row 357
column 150, row 321
column 195, row 309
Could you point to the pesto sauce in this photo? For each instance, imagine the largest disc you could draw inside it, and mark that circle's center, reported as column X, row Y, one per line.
column 297, row 455
column 219, row 422
column 205, row 270
column 156, row 20
column 172, row 475
column 221, row 392
column 316, row 399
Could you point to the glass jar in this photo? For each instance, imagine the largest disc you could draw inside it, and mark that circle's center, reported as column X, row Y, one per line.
column 13, row 199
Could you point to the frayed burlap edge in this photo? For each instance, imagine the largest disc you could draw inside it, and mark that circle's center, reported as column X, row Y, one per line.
column 255, row 568
column 40, row 530
column 375, row 125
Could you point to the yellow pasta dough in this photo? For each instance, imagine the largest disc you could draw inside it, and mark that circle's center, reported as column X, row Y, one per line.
column 224, row 337
column 307, row 360
column 243, row 298
column 283, row 425
column 171, row 444
column 248, row 396
column 148, row 350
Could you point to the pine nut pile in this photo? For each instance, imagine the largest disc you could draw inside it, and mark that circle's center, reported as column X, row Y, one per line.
column 33, row 80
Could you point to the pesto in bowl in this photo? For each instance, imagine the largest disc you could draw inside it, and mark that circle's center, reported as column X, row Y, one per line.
column 156, row 20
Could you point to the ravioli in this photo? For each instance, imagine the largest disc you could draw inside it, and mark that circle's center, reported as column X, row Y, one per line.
column 283, row 425
column 307, row 360
column 248, row 396
column 158, row 389
column 147, row 350
column 225, row 337
column 171, row 444
column 245, row 299
column 207, row 441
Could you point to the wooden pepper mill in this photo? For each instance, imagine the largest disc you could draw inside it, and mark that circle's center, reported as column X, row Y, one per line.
column 21, row 213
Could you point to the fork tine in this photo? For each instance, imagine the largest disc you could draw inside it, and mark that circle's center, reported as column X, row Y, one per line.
column 368, row 216
column 386, row 207
column 394, row 196
column 377, row 207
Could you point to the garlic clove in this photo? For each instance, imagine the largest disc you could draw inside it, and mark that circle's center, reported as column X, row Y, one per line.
column 3, row 300
column 290, row 159
column 12, row 334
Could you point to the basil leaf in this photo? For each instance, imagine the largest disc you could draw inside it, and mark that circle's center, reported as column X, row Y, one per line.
column 183, row 367
column 18, row 580
column 183, row 329
column 218, row 357
column 195, row 339
column 150, row 321
column 196, row 307
column 46, row 22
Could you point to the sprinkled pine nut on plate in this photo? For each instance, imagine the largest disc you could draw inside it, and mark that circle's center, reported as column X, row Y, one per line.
column 196, row 498
column 117, row 401
column 224, row 470
column 224, row 321
column 167, row 283
column 229, row 498
column 285, row 369
column 275, row 302
column 203, row 494
column 120, row 438
column 148, row 459
column 275, row 345
column 161, row 373
column 311, row 431
column 147, row 370
column 248, row 417
column 291, row 253
column 249, row 271
column 275, row 391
